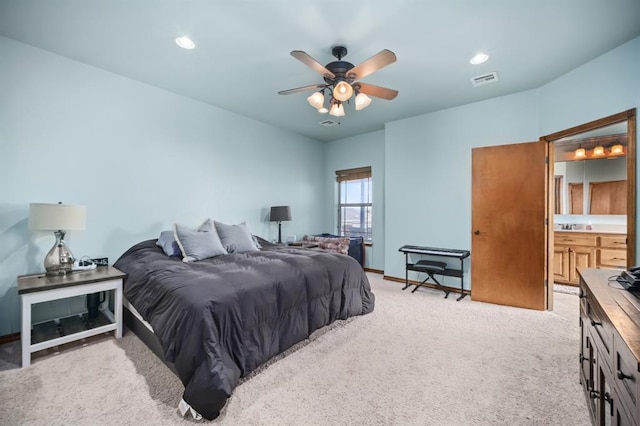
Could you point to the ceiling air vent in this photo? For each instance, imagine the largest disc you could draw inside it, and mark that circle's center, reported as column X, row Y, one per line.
column 492, row 77
column 329, row 123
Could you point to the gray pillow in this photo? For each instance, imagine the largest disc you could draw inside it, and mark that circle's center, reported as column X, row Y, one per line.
column 236, row 238
column 169, row 245
column 197, row 245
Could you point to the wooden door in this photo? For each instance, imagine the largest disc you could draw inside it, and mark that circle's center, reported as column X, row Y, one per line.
column 509, row 235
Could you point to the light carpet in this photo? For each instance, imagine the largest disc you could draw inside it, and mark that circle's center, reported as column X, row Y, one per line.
column 417, row 359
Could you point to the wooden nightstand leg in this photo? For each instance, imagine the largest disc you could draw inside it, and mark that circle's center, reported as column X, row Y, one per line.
column 25, row 337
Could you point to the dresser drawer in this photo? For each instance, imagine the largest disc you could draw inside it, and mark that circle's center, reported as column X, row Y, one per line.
column 601, row 330
column 626, row 376
column 613, row 241
column 615, row 258
column 574, row 239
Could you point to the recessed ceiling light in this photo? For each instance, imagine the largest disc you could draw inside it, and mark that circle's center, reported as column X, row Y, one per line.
column 479, row 58
column 185, row 42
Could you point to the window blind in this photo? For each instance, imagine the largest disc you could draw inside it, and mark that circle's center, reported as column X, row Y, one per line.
column 353, row 174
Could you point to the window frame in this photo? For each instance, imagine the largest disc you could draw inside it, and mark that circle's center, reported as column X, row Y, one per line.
column 353, row 175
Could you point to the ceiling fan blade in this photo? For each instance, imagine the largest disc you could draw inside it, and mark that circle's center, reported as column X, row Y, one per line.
column 302, row 89
column 310, row 62
column 377, row 91
column 379, row 60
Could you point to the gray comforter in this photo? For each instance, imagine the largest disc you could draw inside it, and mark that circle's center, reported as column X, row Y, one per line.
column 220, row 318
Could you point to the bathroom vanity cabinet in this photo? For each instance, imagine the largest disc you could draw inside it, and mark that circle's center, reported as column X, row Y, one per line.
column 586, row 249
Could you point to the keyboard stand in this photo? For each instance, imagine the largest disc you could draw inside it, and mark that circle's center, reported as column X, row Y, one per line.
column 427, row 267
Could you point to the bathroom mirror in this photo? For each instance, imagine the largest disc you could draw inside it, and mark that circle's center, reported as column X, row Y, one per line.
column 590, row 172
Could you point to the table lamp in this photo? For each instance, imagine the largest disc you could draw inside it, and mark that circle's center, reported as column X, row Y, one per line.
column 280, row 214
column 59, row 218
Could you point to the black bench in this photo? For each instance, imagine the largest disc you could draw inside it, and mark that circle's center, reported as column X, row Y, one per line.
column 430, row 267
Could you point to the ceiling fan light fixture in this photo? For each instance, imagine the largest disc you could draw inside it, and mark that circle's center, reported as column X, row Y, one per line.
column 362, row 101
column 340, row 81
column 580, row 153
column 342, row 91
column 316, row 100
column 598, row 151
column 337, row 110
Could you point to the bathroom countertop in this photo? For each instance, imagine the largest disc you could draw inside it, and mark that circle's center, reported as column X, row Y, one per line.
column 596, row 230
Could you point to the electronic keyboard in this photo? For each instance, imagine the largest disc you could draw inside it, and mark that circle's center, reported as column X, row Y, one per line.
column 435, row 251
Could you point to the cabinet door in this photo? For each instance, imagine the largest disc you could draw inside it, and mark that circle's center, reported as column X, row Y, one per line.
column 560, row 264
column 620, row 416
column 587, row 361
column 603, row 395
column 580, row 257
column 626, row 377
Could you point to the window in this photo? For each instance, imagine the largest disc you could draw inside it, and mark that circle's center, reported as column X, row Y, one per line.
column 354, row 202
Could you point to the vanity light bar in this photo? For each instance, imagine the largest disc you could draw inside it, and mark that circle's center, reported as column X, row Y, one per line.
column 599, row 152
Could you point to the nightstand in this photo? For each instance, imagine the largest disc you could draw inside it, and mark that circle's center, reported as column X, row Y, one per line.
column 43, row 288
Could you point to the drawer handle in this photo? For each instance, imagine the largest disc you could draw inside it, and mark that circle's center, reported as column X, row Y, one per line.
column 595, row 323
column 583, row 359
column 622, row 376
column 618, row 258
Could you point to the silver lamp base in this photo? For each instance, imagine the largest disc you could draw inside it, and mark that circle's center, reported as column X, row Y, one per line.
column 59, row 260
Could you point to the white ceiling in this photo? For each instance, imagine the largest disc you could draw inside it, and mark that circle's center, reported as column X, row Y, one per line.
column 242, row 56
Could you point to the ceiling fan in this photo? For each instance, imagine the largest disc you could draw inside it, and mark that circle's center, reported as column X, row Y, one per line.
column 340, row 78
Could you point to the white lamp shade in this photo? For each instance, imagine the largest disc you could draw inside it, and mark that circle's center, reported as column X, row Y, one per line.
column 598, row 150
column 57, row 217
column 580, row 153
column 362, row 101
column 342, row 91
column 337, row 110
column 316, row 100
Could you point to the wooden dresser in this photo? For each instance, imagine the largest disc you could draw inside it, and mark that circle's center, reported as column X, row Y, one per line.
column 586, row 250
column 610, row 348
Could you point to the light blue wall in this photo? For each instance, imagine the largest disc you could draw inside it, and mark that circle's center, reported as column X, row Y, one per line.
column 607, row 85
column 358, row 151
column 139, row 157
column 428, row 173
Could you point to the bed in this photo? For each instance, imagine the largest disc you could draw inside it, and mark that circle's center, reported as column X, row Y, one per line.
column 218, row 319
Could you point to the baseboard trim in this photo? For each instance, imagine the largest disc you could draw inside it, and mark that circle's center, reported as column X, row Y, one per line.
column 375, row 271
column 8, row 338
column 429, row 285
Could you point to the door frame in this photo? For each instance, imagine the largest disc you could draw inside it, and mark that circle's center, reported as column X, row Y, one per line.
column 630, row 117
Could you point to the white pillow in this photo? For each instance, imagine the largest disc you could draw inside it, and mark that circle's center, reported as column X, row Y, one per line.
column 197, row 245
